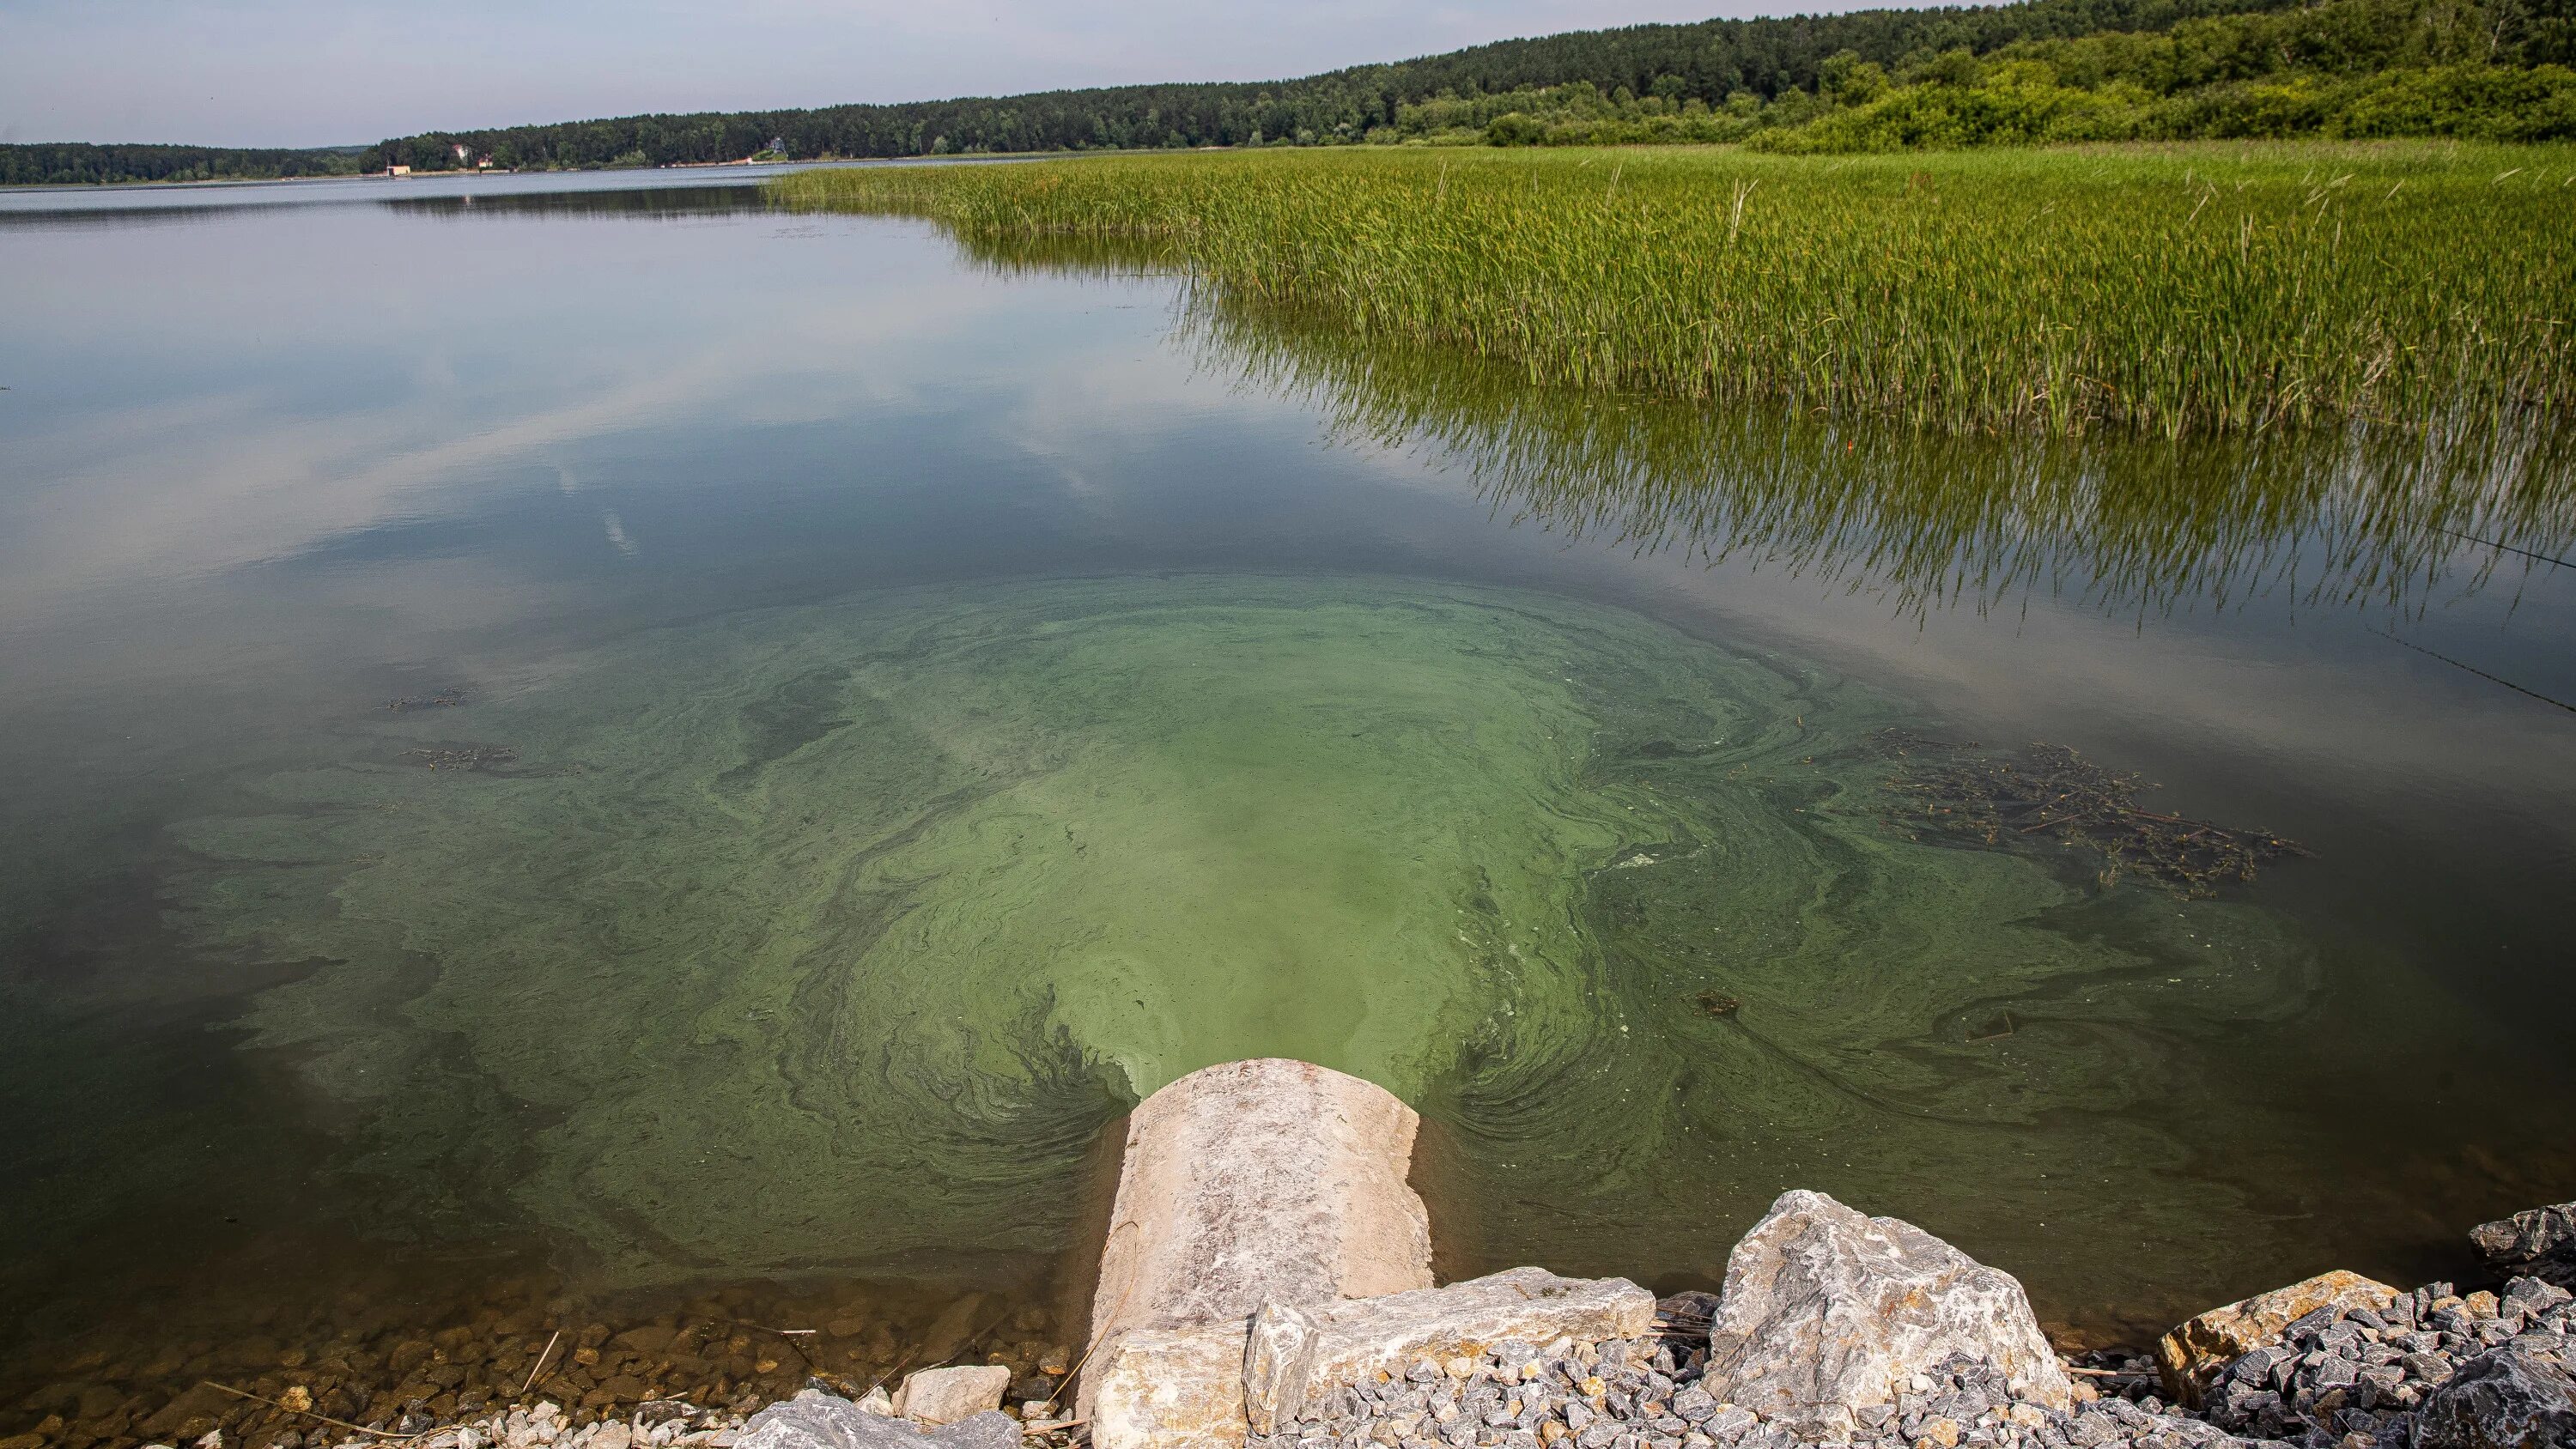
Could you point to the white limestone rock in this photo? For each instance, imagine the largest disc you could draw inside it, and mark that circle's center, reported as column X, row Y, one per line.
column 1278, row 1366
column 1827, row 1311
column 1363, row 1337
column 1170, row 1388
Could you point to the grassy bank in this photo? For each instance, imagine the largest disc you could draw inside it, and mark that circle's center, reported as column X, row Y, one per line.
column 2172, row 289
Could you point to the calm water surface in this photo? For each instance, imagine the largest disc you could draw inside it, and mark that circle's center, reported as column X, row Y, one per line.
column 874, row 709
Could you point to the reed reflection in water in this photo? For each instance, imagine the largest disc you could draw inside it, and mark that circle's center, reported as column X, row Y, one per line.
column 2356, row 516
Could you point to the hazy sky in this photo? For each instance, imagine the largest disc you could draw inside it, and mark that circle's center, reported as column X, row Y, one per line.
column 319, row 72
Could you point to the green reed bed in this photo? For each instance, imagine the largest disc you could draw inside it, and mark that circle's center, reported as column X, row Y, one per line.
column 2171, row 289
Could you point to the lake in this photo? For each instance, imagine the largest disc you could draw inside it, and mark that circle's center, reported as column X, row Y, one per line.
column 582, row 743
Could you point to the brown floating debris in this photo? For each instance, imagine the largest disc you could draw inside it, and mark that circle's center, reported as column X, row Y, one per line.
column 2050, row 792
column 1718, row 1003
column 444, row 699
column 462, row 757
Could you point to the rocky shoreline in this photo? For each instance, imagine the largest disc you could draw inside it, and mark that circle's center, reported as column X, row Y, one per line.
column 2361, row 1366
column 1271, row 1289
column 2356, row 1366
column 2347, row 1379
column 368, row 1360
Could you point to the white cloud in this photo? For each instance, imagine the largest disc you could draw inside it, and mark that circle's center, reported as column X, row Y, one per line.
column 204, row 482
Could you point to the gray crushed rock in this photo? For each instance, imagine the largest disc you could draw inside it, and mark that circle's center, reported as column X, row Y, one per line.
column 2338, row 1379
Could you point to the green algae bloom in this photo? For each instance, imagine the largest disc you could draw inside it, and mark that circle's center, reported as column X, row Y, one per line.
column 828, row 936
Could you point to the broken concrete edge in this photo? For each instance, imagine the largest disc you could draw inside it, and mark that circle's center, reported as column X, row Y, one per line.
column 1212, row 1383
column 1252, row 1182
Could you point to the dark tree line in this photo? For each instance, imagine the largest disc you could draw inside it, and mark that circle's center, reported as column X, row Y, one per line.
column 79, row 164
column 2474, row 69
column 1709, row 62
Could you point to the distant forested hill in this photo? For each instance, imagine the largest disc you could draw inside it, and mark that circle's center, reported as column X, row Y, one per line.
column 1873, row 79
column 1707, row 61
column 73, row 163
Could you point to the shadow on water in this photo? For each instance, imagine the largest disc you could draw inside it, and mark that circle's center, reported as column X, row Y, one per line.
column 665, row 203
column 120, row 212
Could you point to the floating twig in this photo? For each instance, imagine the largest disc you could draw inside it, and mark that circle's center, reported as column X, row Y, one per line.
column 2508, row 548
column 540, row 1363
column 2473, row 669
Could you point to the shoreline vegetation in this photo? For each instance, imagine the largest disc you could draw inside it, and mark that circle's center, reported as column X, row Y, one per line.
column 2035, row 71
column 2161, row 289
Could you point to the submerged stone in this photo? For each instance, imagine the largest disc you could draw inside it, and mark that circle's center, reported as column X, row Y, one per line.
column 947, row 1395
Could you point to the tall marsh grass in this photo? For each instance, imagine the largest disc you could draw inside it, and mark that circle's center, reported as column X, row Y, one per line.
column 2172, row 290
